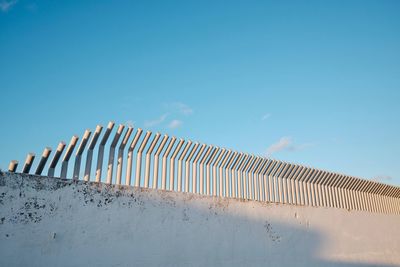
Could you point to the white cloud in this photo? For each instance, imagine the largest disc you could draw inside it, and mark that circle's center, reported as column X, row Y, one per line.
column 265, row 116
column 156, row 121
column 282, row 144
column 382, row 178
column 7, row 5
column 181, row 108
column 176, row 109
column 175, row 124
column 286, row 144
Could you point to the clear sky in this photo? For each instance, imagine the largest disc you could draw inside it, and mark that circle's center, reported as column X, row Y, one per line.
column 310, row 82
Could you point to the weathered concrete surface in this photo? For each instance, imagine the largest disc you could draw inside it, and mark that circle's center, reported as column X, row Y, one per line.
column 55, row 222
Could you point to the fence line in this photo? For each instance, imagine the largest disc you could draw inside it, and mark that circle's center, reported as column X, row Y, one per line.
column 210, row 170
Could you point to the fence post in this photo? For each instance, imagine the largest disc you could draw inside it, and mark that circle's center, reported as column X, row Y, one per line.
column 54, row 161
column 315, row 188
column 228, row 167
column 297, row 185
column 371, row 202
column 12, row 167
column 325, row 189
column 148, row 159
column 333, row 192
column 353, row 199
column 360, row 195
column 251, row 178
column 208, row 167
column 215, row 166
column 271, row 193
column 89, row 155
column 280, row 180
column 100, row 154
column 239, row 175
column 345, row 196
column 307, row 187
column 310, row 192
column 139, row 158
column 367, row 197
column 286, row 183
column 275, row 181
column 266, row 175
column 201, row 166
column 263, row 180
column 256, row 178
column 120, row 159
column 372, row 196
column 301, row 185
column 180, row 159
column 28, row 162
column 130, row 156
column 164, row 163
column 330, row 191
column 366, row 203
column 320, row 188
column 221, row 177
column 78, row 155
column 233, row 176
column 194, row 167
column 111, row 154
column 187, row 165
column 156, row 160
column 172, row 164
column 43, row 160
column 290, row 183
column 68, row 153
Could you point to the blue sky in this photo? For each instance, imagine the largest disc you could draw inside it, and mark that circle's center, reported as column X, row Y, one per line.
column 313, row 82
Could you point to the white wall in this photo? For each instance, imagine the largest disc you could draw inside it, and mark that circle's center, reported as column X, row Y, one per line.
column 53, row 222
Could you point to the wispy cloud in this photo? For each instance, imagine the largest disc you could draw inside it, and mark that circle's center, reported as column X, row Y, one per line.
column 282, row 144
column 382, row 178
column 265, row 116
column 181, row 108
column 175, row 109
column 175, row 124
column 155, row 122
column 285, row 143
column 6, row 5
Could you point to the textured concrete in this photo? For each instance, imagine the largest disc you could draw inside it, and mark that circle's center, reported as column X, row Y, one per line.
column 55, row 222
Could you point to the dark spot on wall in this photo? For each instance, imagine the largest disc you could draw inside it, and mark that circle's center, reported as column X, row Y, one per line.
column 185, row 216
column 273, row 235
column 2, row 196
column 2, row 180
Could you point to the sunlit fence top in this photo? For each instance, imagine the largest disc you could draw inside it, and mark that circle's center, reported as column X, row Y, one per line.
column 188, row 166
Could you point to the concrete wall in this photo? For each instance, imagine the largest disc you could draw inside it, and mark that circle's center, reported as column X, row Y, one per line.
column 54, row 222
